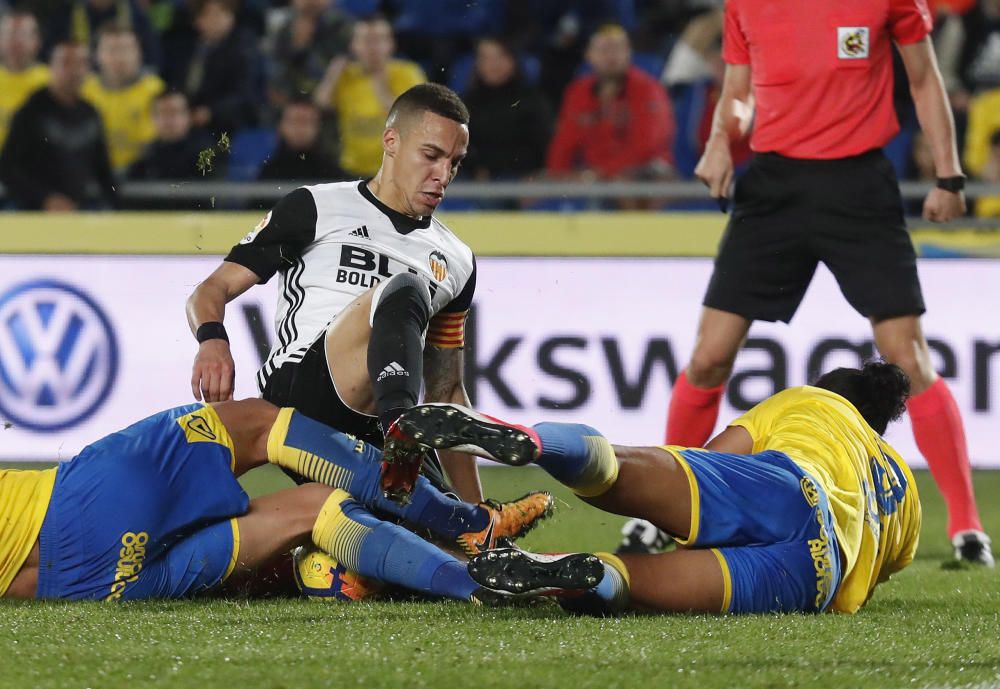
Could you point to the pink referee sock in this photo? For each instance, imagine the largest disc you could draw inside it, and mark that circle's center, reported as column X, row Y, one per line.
column 937, row 427
column 693, row 413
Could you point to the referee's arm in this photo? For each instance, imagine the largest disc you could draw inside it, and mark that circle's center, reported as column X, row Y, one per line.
column 938, row 125
column 730, row 122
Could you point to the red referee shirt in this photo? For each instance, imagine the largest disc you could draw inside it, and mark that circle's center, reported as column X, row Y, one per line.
column 634, row 130
column 821, row 70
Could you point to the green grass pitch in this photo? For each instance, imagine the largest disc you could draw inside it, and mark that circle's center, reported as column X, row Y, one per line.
column 929, row 627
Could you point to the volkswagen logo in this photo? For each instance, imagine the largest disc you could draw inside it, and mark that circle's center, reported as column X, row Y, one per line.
column 58, row 355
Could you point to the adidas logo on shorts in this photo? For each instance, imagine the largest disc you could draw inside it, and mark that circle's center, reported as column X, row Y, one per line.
column 392, row 369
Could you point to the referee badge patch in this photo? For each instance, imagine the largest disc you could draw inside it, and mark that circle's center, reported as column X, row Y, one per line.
column 439, row 265
column 852, row 42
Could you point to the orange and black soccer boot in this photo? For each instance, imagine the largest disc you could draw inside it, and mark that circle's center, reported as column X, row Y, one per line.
column 507, row 520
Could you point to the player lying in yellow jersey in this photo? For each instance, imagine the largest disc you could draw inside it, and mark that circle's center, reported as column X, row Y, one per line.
column 156, row 511
column 799, row 505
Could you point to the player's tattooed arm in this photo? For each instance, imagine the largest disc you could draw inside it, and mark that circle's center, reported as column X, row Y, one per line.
column 444, row 382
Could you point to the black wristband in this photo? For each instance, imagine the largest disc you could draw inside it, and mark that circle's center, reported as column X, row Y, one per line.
column 953, row 184
column 213, row 330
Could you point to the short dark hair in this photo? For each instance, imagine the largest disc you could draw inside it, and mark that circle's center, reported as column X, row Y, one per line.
column 69, row 44
column 429, row 97
column 303, row 101
column 198, row 6
column 115, row 28
column 373, row 18
column 19, row 12
column 878, row 390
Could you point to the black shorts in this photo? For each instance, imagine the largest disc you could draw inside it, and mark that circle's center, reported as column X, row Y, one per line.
column 307, row 386
column 789, row 215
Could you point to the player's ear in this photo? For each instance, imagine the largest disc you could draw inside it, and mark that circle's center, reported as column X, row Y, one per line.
column 390, row 141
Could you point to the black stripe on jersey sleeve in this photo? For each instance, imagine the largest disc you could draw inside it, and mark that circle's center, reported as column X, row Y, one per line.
column 464, row 299
column 291, row 228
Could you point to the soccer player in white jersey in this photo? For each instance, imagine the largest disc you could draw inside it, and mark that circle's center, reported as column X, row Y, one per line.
column 375, row 293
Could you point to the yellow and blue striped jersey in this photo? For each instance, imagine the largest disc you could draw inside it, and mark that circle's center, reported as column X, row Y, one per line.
column 873, row 498
column 15, row 87
column 24, row 498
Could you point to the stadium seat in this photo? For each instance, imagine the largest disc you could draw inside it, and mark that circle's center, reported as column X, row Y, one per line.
column 359, row 8
column 689, row 101
column 560, row 205
column 899, row 150
column 450, row 205
column 248, row 151
column 650, row 63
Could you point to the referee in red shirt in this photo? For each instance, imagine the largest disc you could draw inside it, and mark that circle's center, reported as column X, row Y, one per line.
column 819, row 189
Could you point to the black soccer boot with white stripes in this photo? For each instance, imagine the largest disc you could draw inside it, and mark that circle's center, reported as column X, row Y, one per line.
column 515, row 571
column 453, row 427
column 973, row 547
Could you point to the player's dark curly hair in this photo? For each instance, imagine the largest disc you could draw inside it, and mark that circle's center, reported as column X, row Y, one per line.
column 430, row 97
column 878, row 390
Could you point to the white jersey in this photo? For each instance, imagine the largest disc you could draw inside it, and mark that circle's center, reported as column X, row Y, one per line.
column 331, row 243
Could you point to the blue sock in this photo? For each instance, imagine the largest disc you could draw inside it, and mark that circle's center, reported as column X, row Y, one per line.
column 613, row 589
column 390, row 553
column 328, row 456
column 577, row 456
column 445, row 516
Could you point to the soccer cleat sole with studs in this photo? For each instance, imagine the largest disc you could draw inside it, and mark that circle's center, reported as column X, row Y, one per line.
column 401, row 463
column 449, row 426
column 519, row 572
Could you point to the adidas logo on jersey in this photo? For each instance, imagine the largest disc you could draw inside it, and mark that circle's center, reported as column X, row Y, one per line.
column 392, row 369
column 361, row 232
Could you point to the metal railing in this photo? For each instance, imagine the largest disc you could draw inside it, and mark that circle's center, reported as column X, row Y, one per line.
column 484, row 191
column 205, row 194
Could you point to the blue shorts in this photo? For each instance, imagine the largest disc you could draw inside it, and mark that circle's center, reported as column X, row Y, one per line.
column 147, row 512
column 769, row 523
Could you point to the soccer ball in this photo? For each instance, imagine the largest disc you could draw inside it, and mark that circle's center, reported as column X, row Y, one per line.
column 320, row 577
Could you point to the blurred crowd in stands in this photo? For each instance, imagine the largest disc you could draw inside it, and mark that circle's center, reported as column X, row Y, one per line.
column 94, row 93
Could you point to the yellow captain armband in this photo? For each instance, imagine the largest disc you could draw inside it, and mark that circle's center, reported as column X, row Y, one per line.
column 447, row 330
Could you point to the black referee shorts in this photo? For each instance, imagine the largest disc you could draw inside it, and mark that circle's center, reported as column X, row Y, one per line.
column 306, row 385
column 789, row 215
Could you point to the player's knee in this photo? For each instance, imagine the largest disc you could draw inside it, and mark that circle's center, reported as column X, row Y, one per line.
column 708, row 369
column 916, row 364
column 403, row 293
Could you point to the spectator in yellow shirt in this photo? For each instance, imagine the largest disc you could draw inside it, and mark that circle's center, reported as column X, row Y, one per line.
column 989, row 206
column 20, row 72
column 984, row 120
column 123, row 95
column 362, row 89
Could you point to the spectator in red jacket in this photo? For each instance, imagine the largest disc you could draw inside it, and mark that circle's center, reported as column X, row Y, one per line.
column 616, row 123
